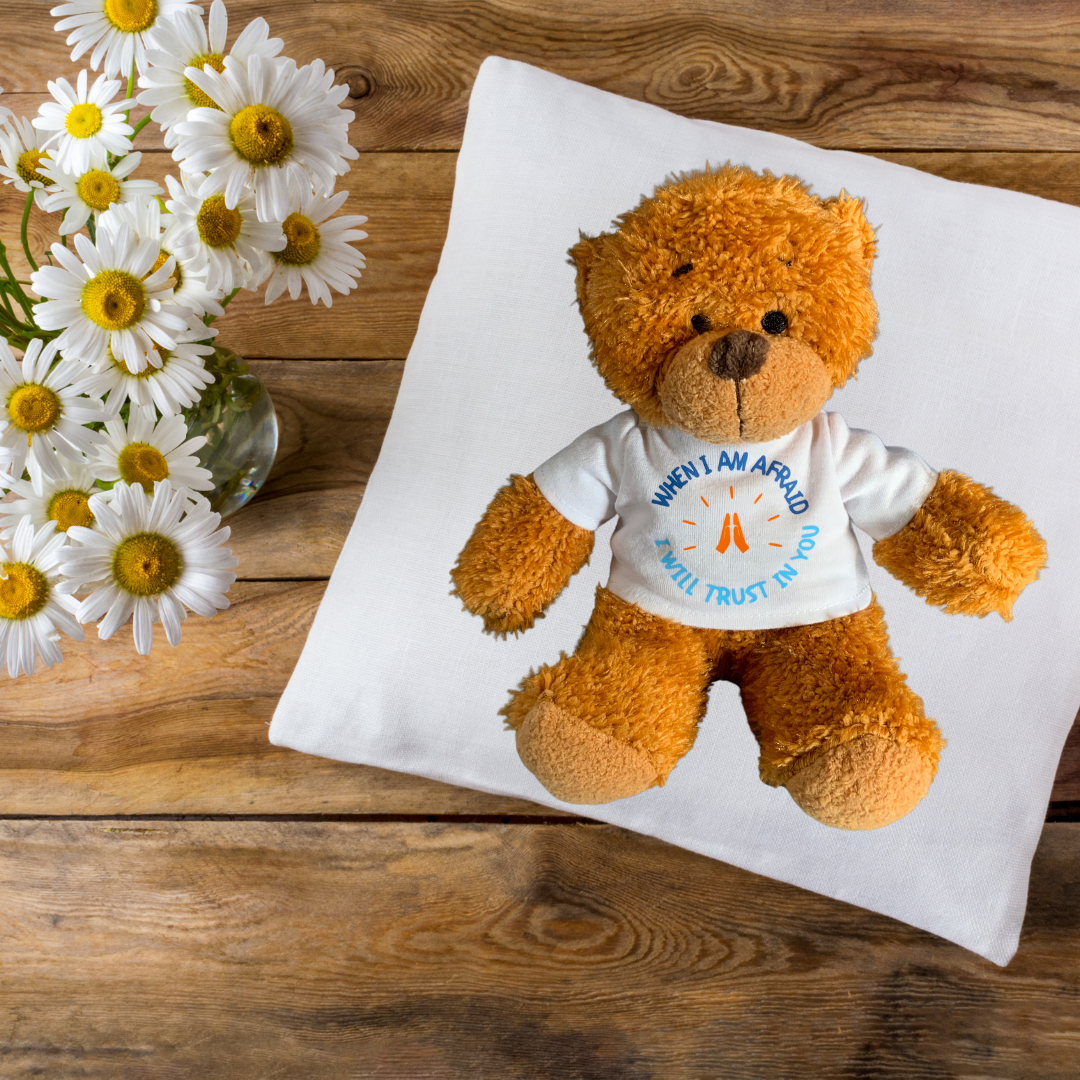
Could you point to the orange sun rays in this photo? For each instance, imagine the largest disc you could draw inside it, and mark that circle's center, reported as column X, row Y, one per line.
column 732, row 531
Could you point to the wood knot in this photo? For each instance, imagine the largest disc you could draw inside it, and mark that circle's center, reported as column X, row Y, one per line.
column 361, row 83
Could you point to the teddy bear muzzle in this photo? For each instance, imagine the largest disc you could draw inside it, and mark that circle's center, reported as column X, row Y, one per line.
column 735, row 385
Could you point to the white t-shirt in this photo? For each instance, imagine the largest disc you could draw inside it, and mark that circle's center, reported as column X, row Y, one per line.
column 741, row 537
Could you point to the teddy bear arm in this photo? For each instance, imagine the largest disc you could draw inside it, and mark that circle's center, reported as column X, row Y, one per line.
column 520, row 556
column 966, row 550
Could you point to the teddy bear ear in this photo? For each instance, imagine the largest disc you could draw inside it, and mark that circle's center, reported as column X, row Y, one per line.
column 851, row 217
column 585, row 254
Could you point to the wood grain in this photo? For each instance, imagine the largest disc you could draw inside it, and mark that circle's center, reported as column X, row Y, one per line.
column 489, row 951
column 407, row 199
column 332, row 416
column 183, row 731
column 857, row 74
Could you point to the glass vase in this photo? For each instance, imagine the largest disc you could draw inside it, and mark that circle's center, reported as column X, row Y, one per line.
column 237, row 417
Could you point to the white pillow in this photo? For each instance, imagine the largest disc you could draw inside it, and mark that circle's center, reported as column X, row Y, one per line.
column 975, row 369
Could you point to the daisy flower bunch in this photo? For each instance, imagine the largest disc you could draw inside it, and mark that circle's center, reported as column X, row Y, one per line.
column 115, row 399
column 259, row 141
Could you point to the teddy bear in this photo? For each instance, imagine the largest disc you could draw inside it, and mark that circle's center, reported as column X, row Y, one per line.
column 723, row 311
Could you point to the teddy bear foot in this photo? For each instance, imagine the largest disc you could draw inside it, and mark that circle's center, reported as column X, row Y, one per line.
column 865, row 783
column 578, row 763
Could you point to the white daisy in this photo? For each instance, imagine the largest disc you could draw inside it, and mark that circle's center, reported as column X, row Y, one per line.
column 273, row 122
column 173, row 386
column 113, row 299
column 182, row 43
column 144, row 218
column 95, row 191
column 44, row 411
column 86, row 127
column 317, row 252
column 141, row 452
column 20, row 146
column 115, row 29
column 230, row 244
column 152, row 556
column 63, row 501
column 33, row 607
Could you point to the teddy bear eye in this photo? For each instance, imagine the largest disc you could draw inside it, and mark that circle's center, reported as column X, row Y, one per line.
column 684, row 269
column 701, row 324
column 774, row 322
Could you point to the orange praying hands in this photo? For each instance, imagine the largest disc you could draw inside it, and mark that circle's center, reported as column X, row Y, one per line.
column 725, row 535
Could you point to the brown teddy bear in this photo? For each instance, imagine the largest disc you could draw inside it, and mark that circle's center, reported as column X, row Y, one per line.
column 724, row 311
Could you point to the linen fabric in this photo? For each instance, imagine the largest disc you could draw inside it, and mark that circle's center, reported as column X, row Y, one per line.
column 975, row 367
column 779, row 512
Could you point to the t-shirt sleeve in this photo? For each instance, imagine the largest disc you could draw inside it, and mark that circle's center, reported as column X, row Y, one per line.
column 882, row 486
column 582, row 480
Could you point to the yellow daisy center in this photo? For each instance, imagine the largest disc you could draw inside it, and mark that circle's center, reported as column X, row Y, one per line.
column 98, row 189
column 163, row 257
column 28, row 164
column 83, row 120
column 33, row 408
column 302, row 241
column 141, row 463
column 261, row 135
column 114, row 299
column 24, row 591
column 131, row 16
column 147, row 372
column 199, row 98
column 146, row 564
column 218, row 226
column 70, row 507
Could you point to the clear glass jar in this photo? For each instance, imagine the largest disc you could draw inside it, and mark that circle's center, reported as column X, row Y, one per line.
column 237, row 417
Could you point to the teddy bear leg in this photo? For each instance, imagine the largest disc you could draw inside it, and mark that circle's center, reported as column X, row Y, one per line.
column 837, row 723
column 614, row 718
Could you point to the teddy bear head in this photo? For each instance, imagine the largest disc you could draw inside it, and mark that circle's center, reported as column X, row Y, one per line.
column 729, row 304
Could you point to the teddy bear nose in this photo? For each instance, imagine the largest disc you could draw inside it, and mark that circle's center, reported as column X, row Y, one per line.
column 738, row 355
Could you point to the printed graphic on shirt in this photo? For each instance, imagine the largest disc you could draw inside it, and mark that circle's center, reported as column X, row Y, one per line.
column 723, row 509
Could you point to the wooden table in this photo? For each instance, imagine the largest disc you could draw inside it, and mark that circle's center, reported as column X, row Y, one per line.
column 180, row 899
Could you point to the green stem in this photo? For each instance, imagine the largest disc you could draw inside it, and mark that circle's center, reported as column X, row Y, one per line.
column 8, row 316
column 208, row 319
column 91, row 228
column 16, row 289
column 140, row 125
column 22, row 231
column 131, row 87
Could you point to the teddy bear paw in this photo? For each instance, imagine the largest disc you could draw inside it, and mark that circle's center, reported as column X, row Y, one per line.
column 864, row 783
column 577, row 762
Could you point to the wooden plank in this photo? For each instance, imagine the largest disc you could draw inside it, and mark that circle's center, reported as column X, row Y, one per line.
column 1067, row 781
column 861, row 75
column 183, row 731
column 332, row 416
column 407, row 198
column 259, row 949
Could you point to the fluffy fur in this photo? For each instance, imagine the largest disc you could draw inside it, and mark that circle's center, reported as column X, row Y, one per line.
column 809, row 691
column 519, row 558
column 756, row 243
column 965, row 550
